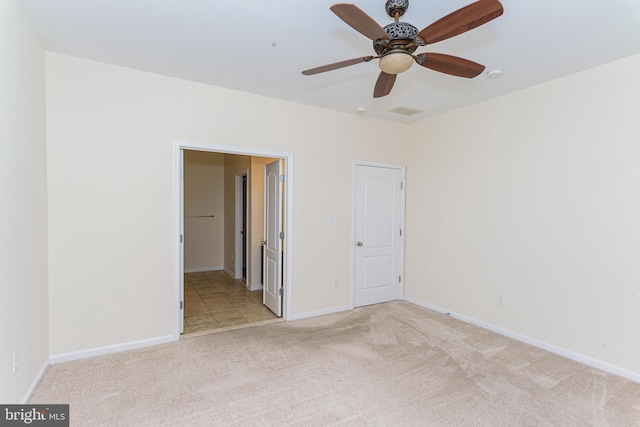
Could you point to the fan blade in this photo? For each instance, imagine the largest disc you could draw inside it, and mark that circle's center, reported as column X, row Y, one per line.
column 359, row 21
column 337, row 65
column 462, row 20
column 384, row 84
column 450, row 64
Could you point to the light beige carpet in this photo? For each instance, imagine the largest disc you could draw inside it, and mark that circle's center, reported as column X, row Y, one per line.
column 392, row 364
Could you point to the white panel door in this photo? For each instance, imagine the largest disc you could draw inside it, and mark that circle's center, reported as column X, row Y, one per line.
column 378, row 234
column 272, row 279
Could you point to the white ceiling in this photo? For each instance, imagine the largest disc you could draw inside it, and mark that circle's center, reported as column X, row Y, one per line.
column 261, row 46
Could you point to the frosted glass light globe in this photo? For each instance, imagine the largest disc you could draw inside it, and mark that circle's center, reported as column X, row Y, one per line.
column 395, row 62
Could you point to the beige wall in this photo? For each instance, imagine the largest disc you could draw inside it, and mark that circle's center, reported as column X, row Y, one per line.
column 531, row 196
column 203, row 196
column 24, row 296
column 111, row 222
column 534, row 196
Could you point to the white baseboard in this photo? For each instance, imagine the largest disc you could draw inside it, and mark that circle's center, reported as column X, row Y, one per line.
column 308, row 314
column 585, row 360
column 201, row 269
column 36, row 381
column 116, row 348
column 230, row 273
column 255, row 287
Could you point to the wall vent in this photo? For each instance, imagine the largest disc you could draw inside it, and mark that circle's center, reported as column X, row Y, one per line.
column 405, row 111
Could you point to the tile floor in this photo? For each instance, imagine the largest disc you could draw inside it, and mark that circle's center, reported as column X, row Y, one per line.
column 214, row 300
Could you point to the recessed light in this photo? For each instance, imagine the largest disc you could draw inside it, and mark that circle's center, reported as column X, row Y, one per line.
column 495, row 73
column 361, row 110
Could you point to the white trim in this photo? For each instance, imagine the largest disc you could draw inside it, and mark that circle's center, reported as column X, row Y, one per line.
column 377, row 165
column 354, row 238
column 201, row 269
column 178, row 146
column 178, row 243
column 109, row 349
column 255, row 287
column 36, row 381
column 577, row 357
column 317, row 313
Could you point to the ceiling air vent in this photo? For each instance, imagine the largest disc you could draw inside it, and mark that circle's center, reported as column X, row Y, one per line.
column 405, row 111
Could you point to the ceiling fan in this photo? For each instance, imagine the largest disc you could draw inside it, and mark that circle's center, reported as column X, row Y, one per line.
column 395, row 43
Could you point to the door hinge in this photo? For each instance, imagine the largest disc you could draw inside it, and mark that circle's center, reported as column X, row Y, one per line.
column 181, row 238
column 401, row 185
column 281, row 291
column 399, row 279
column 282, row 234
column 401, row 231
column 281, row 178
column 181, row 305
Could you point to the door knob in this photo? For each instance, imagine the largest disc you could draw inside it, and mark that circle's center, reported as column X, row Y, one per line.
column 263, row 243
column 359, row 243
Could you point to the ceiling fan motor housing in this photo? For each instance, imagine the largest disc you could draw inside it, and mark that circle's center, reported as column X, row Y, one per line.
column 401, row 30
column 402, row 36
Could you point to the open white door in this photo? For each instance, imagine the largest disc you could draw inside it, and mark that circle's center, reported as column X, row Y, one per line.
column 378, row 234
column 273, row 237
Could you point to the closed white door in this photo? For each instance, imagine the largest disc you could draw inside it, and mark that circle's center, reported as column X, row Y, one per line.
column 273, row 233
column 379, row 236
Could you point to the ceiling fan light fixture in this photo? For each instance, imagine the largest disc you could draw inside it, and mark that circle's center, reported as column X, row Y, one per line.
column 395, row 43
column 395, row 62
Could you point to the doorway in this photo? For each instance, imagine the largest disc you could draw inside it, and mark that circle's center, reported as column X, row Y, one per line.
column 241, row 245
column 179, row 147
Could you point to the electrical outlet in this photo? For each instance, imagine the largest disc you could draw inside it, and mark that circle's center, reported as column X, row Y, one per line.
column 15, row 362
column 335, row 283
column 500, row 300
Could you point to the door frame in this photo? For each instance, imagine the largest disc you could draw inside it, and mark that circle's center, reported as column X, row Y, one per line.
column 240, row 255
column 354, row 238
column 178, row 220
